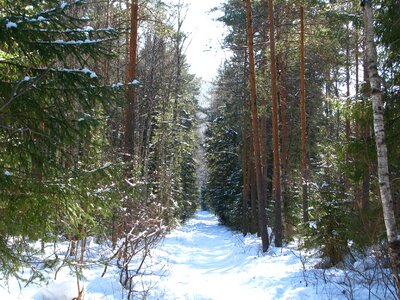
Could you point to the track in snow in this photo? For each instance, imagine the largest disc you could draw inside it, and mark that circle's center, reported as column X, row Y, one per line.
column 208, row 261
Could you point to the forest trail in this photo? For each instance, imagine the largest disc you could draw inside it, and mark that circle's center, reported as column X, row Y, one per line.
column 206, row 260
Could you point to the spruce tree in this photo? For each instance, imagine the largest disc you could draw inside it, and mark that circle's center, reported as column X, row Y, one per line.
column 51, row 102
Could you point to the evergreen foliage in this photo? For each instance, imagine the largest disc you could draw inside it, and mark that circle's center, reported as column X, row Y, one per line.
column 223, row 146
column 345, row 210
column 64, row 175
column 62, row 172
column 52, row 105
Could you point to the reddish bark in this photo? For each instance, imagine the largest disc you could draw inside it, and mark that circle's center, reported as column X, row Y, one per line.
column 304, row 163
column 131, row 76
column 256, row 139
column 275, row 130
column 245, row 227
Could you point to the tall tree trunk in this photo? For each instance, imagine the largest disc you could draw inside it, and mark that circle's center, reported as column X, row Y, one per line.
column 180, row 39
column 282, row 98
column 256, row 139
column 347, row 121
column 381, row 149
column 245, row 227
column 357, row 122
column 131, row 76
column 357, row 55
column 304, row 166
column 284, row 122
column 106, row 65
column 275, row 130
column 255, row 227
column 367, row 134
column 263, row 118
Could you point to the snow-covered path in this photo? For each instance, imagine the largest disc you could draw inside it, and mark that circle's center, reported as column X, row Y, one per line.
column 204, row 260
column 208, row 261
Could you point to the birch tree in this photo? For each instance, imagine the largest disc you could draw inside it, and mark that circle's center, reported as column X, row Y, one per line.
column 381, row 148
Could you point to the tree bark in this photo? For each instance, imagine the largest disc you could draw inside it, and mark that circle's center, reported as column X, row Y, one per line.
column 282, row 100
column 381, row 148
column 284, row 122
column 275, row 130
column 255, row 227
column 131, row 76
column 304, row 167
column 357, row 125
column 245, row 227
column 256, row 139
column 347, row 122
column 366, row 136
column 263, row 117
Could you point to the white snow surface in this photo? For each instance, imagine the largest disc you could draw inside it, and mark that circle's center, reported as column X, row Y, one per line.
column 205, row 260
column 63, row 5
column 11, row 25
column 85, row 70
column 208, row 261
column 135, row 82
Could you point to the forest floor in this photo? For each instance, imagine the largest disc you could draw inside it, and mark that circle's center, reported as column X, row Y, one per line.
column 205, row 260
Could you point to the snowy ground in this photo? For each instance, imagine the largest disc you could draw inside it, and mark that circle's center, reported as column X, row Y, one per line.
column 204, row 260
column 208, row 261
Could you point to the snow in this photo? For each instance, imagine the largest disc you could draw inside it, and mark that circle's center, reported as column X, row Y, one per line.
column 135, row 82
column 57, row 291
column 63, row 5
column 88, row 28
column 116, row 85
column 10, row 25
column 312, row 224
column 324, row 185
column 91, row 73
column 205, row 260
column 73, row 42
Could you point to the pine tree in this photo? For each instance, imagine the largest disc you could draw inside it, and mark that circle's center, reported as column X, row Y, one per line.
column 255, row 129
column 304, row 162
column 275, row 128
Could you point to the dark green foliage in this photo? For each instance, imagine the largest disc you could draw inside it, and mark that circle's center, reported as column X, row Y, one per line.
column 62, row 176
column 345, row 209
column 224, row 145
column 388, row 30
column 53, row 181
column 185, row 182
column 329, row 231
column 224, row 172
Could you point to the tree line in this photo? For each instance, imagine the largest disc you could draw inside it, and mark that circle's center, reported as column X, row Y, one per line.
column 97, row 131
column 303, row 126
